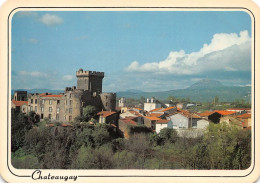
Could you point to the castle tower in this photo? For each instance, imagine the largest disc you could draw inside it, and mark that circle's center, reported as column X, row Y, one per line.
column 20, row 95
column 90, row 80
column 122, row 102
column 108, row 101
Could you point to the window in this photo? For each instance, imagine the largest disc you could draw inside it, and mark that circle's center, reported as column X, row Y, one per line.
column 65, row 117
column 70, row 110
column 70, row 118
column 58, row 110
column 50, row 102
column 41, row 116
column 35, row 101
column 70, row 95
column 42, row 109
column 106, row 103
column 49, row 116
column 94, row 94
column 58, row 101
column 35, row 108
column 50, row 109
column 32, row 101
column 43, row 101
column 31, row 108
column 57, row 117
column 70, row 102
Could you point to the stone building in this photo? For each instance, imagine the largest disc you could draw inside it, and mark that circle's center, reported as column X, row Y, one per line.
column 19, row 101
column 20, row 95
column 69, row 105
column 122, row 102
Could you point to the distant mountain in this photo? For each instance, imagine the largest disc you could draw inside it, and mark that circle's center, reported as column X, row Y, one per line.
column 38, row 91
column 134, row 91
column 205, row 83
column 204, row 91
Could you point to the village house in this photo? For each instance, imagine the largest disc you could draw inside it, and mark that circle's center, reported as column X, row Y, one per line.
column 150, row 122
column 245, row 118
column 124, row 123
column 230, row 120
column 133, row 112
column 161, row 124
column 108, row 117
column 151, row 104
column 20, row 105
column 202, row 124
column 184, row 119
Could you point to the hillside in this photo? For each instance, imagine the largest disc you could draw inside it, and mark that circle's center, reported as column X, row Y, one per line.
column 204, row 91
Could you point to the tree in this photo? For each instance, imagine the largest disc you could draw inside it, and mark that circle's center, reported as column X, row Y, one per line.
column 168, row 135
column 89, row 112
column 139, row 144
column 19, row 126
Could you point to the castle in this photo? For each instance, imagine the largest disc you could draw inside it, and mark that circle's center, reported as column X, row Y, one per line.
column 69, row 105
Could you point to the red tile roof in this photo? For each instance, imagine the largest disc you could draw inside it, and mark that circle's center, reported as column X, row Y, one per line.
column 156, row 115
column 162, row 121
column 138, row 108
column 19, row 103
column 152, row 118
column 205, row 114
column 168, row 108
column 136, row 113
column 106, row 113
column 129, row 121
column 188, row 114
column 246, row 115
column 225, row 113
column 157, row 109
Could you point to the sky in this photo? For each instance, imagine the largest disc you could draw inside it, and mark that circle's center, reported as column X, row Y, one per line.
column 144, row 50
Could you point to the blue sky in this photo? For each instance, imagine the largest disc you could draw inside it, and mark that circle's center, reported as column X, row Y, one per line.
column 150, row 51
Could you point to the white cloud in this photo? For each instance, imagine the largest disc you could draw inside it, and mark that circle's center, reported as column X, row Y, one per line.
column 228, row 52
column 51, row 20
column 68, row 77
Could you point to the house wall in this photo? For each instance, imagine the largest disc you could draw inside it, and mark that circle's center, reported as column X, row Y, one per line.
column 179, row 121
column 150, row 123
column 127, row 113
column 151, row 106
column 160, row 126
column 202, row 124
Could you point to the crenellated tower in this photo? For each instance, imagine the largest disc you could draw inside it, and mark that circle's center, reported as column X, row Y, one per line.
column 90, row 80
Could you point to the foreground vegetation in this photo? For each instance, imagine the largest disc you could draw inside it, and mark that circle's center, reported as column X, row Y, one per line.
column 101, row 147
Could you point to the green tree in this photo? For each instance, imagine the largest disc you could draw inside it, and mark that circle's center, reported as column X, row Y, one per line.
column 168, row 135
column 19, row 126
column 89, row 112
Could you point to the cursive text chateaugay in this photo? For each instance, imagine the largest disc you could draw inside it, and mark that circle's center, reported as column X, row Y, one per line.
column 37, row 175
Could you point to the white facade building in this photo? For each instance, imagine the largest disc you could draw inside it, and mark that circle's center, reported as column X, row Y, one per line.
column 151, row 104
